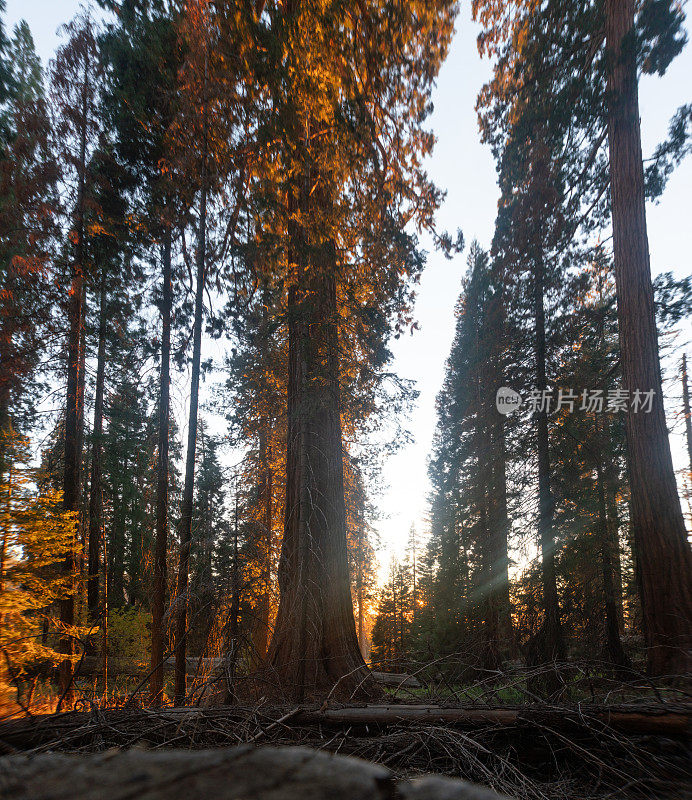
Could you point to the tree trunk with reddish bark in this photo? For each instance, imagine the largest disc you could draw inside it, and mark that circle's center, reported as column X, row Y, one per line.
column 314, row 647
column 686, row 407
column 74, row 410
column 664, row 558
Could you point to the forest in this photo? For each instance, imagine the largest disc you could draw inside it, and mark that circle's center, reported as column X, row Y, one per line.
column 214, row 219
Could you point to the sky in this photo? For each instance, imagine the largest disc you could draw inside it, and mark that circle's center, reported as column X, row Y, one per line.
column 465, row 169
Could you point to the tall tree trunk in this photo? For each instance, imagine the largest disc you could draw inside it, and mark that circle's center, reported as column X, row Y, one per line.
column 136, row 565
column 6, row 526
column 119, row 528
column 72, row 476
column 614, row 536
column 486, row 506
column 261, row 628
column 551, row 643
column 74, row 411
column 161, row 544
column 314, row 646
column 500, row 533
column 96, row 496
column 490, row 657
column 616, row 654
column 81, row 544
column 188, row 490
column 414, row 579
column 501, row 526
column 361, row 613
column 234, row 628
column 665, row 559
column 104, row 626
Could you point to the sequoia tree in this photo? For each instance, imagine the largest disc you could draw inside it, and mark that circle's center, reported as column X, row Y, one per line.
column 350, row 91
column 664, row 559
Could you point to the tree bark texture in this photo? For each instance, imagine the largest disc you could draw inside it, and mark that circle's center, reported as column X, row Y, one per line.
column 665, row 561
column 74, row 408
column 616, row 653
column 314, row 646
column 261, row 627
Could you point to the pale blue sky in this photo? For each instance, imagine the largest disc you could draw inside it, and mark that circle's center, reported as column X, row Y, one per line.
column 465, row 169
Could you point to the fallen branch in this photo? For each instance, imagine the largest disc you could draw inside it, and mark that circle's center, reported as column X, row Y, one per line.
column 651, row 722
column 654, row 721
column 536, row 752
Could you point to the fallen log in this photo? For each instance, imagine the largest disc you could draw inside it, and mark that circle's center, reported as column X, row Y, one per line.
column 652, row 722
column 401, row 714
column 58, row 731
column 550, row 749
column 270, row 773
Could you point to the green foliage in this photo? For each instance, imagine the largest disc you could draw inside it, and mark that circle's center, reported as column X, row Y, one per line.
column 661, row 34
column 27, row 74
column 129, row 631
column 391, row 634
column 669, row 154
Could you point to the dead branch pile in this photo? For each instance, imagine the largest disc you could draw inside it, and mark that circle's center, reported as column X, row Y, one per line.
column 528, row 752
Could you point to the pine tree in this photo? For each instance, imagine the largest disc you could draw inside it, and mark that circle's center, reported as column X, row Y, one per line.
column 25, row 70
column 27, row 229
column 391, row 635
column 469, row 519
column 5, row 75
column 208, row 115
column 257, row 418
column 361, row 551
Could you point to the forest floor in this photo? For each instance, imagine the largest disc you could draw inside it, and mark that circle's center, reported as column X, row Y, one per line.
column 625, row 741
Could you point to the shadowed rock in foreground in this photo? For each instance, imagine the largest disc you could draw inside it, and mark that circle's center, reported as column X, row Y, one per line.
column 237, row 773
